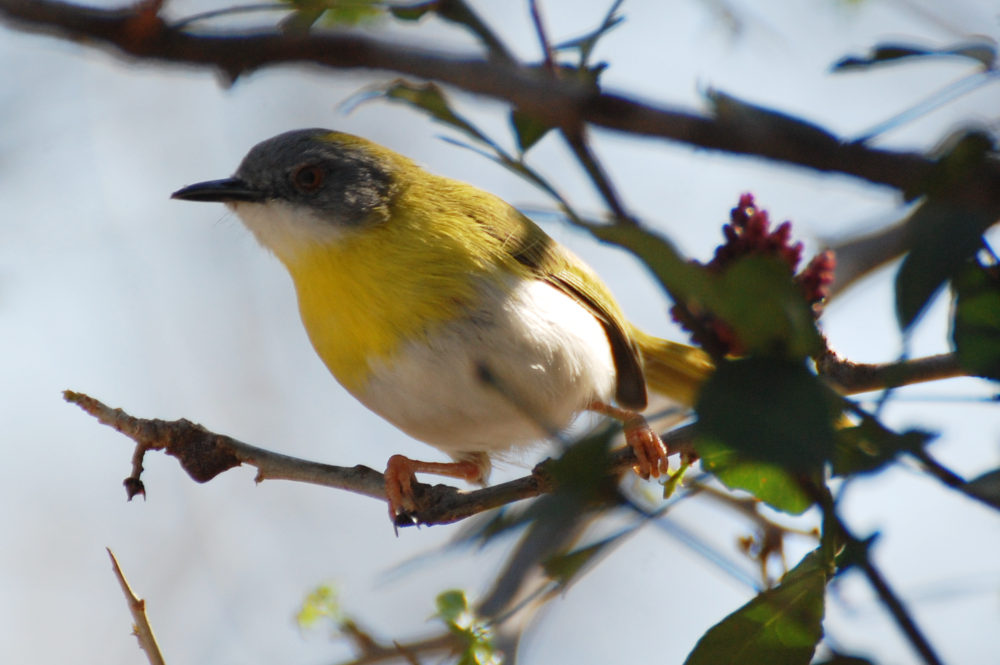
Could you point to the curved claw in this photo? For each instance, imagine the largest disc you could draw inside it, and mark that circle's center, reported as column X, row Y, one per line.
column 650, row 452
column 400, row 477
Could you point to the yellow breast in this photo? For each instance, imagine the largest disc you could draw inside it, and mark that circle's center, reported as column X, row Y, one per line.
column 365, row 292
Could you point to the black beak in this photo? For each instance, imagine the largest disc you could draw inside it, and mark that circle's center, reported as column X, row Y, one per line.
column 220, row 191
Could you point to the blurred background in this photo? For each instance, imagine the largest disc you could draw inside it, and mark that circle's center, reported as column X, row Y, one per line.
column 170, row 310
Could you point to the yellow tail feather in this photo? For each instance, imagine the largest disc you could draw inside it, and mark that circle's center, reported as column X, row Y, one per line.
column 672, row 369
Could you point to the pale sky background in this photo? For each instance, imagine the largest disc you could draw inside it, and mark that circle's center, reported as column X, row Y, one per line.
column 169, row 310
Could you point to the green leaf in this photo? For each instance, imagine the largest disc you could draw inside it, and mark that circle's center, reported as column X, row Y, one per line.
column 331, row 12
column 986, row 487
column 580, row 476
column 975, row 328
column 528, row 129
column 564, row 567
column 475, row 636
column 321, row 603
column 944, row 236
column 984, row 53
column 770, row 410
column 757, row 297
column 451, row 605
column 429, row 98
column 767, row 482
column 781, row 626
column 680, row 278
column 766, row 122
column 413, row 12
column 868, row 447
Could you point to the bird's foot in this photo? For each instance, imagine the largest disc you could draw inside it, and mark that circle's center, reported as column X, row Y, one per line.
column 400, row 477
column 650, row 451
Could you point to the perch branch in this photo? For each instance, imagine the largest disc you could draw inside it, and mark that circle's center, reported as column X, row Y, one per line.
column 205, row 454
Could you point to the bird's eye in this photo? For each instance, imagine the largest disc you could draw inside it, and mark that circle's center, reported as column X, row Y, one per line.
column 308, row 178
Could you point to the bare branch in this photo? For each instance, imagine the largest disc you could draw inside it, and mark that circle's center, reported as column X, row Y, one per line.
column 137, row 607
column 205, row 454
column 137, row 31
column 851, row 377
column 859, row 256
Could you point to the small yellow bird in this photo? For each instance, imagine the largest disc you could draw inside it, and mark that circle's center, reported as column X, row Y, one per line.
column 443, row 309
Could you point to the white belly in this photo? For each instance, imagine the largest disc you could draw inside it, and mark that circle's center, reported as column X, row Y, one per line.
column 515, row 370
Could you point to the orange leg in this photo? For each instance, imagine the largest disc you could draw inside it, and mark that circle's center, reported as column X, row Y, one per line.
column 400, row 475
column 650, row 453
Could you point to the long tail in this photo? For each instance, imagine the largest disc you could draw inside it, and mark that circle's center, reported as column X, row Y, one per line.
column 672, row 369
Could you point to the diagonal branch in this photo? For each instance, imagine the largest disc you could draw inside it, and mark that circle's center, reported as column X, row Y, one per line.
column 851, row 377
column 138, row 31
column 137, row 608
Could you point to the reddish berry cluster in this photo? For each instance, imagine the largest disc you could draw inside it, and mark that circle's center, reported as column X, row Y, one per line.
column 749, row 233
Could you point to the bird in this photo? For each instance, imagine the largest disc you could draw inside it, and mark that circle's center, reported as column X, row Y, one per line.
column 445, row 310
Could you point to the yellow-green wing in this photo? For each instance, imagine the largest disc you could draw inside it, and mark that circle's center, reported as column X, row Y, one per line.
column 530, row 246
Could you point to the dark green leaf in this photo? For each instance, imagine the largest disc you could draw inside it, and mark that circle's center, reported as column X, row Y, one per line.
column 766, row 482
column 564, row 567
column 528, row 129
column 680, row 278
column 579, row 473
column 430, row 98
column 957, row 158
column 300, row 21
column 944, row 236
column 769, row 410
column 759, row 300
column 766, row 122
column 986, row 487
column 867, row 447
column 976, row 326
column 985, row 53
column 413, row 12
column 781, row 626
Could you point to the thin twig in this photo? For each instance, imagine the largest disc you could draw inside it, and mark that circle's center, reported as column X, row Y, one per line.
column 858, row 554
column 577, row 140
column 543, row 37
column 382, row 653
column 948, row 477
column 895, row 606
column 137, row 607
